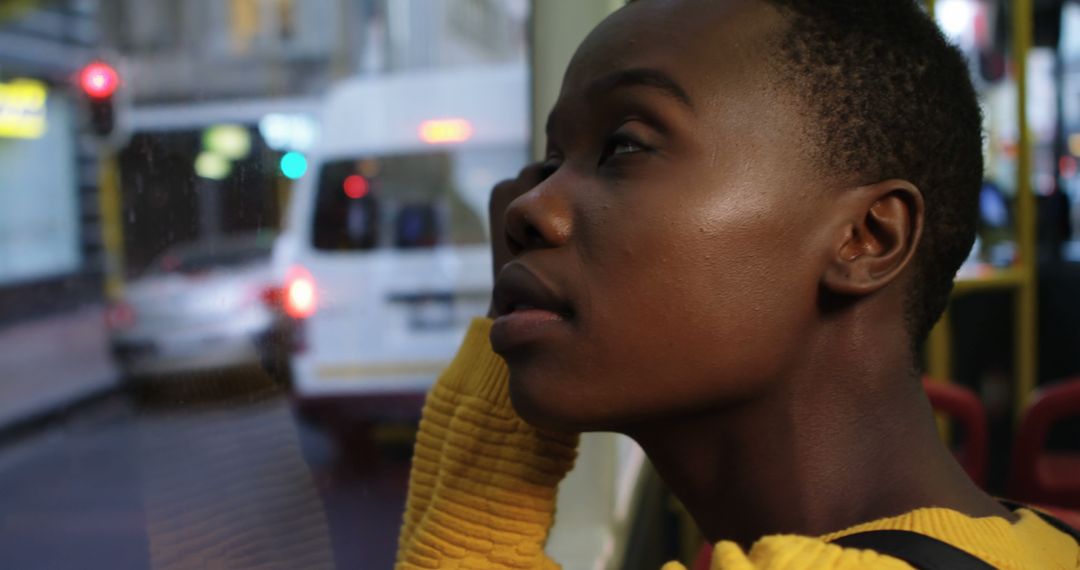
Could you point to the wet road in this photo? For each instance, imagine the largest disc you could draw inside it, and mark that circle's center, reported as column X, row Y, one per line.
column 196, row 479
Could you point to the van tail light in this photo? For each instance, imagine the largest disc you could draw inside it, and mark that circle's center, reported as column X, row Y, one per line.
column 119, row 316
column 296, row 299
column 300, row 295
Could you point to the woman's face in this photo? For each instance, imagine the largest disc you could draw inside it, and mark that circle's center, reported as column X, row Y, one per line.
column 670, row 256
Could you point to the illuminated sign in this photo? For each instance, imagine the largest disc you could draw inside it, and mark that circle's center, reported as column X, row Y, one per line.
column 22, row 109
column 442, row 131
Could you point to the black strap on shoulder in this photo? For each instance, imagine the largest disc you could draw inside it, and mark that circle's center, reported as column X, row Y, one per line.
column 918, row 550
column 928, row 553
column 1050, row 520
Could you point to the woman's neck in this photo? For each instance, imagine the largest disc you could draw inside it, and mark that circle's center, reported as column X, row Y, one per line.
column 811, row 460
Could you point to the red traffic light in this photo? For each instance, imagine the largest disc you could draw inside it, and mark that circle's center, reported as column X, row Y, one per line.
column 99, row 80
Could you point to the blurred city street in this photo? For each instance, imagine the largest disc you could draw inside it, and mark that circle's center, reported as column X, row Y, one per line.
column 209, row 475
column 158, row 320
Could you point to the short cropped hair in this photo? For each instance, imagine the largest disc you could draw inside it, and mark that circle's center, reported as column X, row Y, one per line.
column 888, row 97
column 891, row 98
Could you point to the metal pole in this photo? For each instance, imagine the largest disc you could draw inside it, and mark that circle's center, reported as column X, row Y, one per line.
column 112, row 224
column 1026, row 301
column 939, row 350
column 209, row 195
column 939, row 344
column 557, row 30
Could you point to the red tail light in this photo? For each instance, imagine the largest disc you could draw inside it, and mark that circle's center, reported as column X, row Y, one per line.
column 300, row 296
column 120, row 316
column 272, row 296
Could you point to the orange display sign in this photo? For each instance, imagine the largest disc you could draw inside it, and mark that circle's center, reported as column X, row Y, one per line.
column 443, row 131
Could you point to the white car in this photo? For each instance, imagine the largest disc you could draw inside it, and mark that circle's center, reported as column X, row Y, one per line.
column 385, row 256
column 200, row 306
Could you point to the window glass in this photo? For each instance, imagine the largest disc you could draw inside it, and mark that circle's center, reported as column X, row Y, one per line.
column 405, row 202
column 238, row 241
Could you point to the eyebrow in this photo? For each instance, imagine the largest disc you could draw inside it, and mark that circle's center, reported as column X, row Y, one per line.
column 634, row 77
column 642, row 77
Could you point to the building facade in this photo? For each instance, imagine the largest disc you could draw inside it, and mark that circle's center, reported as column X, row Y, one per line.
column 51, row 255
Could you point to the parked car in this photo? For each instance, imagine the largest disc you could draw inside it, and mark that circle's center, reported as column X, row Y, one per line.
column 200, row 306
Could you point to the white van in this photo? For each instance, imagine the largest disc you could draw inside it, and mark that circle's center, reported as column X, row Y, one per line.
column 385, row 256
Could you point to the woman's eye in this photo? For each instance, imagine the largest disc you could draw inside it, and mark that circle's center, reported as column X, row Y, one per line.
column 625, row 146
column 621, row 145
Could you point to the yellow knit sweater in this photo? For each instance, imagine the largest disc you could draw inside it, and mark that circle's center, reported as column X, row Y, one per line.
column 483, row 484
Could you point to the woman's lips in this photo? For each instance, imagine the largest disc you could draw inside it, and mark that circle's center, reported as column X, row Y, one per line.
column 528, row 308
column 523, row 326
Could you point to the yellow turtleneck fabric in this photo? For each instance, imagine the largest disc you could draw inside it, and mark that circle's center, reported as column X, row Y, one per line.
column 483, row 483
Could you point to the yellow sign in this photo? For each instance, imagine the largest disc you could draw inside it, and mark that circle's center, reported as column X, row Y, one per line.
column 22, row 109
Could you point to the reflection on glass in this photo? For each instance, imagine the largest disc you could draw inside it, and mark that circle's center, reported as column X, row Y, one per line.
column 227, row 223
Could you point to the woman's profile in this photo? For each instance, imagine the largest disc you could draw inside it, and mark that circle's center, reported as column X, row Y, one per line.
column 748, row 219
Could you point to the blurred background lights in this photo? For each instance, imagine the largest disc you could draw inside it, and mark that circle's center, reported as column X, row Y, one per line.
column 369, row 167
column 293, row 165
column 23, row 109
column 955, row 17
column 441, row 131
column 300, row 295
column 356, row 186
column 230, row 141
column 289, row 131
column 212, row 165
column 99, row 80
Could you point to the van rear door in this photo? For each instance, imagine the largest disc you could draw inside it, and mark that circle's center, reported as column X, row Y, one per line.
column 401, row 265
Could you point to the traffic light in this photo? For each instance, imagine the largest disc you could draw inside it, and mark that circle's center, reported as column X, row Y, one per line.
column 99, row 81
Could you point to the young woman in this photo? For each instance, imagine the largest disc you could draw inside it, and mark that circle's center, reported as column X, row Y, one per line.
column 749, row 218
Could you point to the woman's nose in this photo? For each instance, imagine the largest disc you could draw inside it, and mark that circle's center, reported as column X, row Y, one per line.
column 538, row 219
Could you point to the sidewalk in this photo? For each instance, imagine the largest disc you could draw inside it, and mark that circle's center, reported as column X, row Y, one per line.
column 51, row 363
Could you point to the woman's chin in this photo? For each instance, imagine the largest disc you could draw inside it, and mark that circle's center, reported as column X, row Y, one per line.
column 541, row 407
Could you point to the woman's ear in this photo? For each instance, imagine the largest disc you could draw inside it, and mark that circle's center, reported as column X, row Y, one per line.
column 882, row 227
